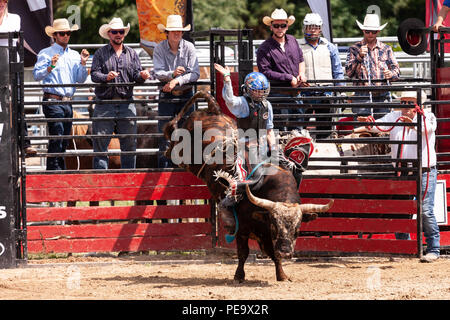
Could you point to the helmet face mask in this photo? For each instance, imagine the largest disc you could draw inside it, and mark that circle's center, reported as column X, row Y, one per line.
column 312, row 26
column 256, row 85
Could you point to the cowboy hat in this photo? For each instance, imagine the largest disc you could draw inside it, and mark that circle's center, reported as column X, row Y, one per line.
column 114, row 24
column 60, row 25
column 371, row 23
column 278, row 14
column 174, row 23
column 413, row 94
column 412, row 36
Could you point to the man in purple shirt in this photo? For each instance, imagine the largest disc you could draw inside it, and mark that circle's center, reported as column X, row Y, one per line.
column 280, row 59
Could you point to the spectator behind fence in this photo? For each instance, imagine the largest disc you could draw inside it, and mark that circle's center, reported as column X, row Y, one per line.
column 176, row 65
column 280, row 59
column 10, row 22
column 371, row 59
column 442, row 15
column 322, row 62
column 428, row 162
column 58, row 64
column 115, row 63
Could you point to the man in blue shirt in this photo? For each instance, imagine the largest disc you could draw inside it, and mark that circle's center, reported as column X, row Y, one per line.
column 322, row 62
column 176, row 66
column 58, row 64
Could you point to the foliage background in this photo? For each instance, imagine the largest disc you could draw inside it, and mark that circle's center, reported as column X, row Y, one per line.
column 231, row 14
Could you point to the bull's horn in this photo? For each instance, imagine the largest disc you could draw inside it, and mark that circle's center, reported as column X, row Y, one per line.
column 309, row 207
column 263, row 203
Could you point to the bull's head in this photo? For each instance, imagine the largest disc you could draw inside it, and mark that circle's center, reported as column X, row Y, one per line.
column 285, row 221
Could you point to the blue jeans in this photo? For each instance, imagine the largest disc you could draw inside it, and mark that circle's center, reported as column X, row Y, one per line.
column 168, row 108
column 57, row 129
column 383, row 97
column 288, row 111
column 108, row 127
column 430, row 226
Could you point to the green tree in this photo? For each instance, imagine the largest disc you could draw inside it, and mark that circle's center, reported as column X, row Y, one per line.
column 223, row 14
column 94, row 13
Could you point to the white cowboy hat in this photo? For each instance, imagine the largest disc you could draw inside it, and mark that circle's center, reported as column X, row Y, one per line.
column 413, row 94
column 114, row 24
column 371, row 23
column 278, row 14
column 60, row 25
column 174, row 23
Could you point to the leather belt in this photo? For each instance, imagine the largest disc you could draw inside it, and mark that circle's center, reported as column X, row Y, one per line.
column 426, row 169
column 56, row 97
column 181, row 92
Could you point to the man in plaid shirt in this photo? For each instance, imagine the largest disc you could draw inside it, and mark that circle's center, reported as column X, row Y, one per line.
column 371, row 59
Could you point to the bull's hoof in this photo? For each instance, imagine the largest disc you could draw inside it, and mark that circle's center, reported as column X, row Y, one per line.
column 284, row 278
column 239, row 277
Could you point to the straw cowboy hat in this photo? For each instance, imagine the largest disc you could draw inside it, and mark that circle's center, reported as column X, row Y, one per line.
column 371, row 23
column 278, row 14
column 114, row 24
column 60, row 25
column 174, row 23
column 413, row 94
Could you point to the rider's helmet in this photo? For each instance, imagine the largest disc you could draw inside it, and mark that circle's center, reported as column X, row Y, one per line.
column 256, row 86
column 312, row 19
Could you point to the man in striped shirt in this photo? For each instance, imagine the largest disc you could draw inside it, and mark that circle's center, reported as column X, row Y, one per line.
column 115, row 63
column 371, row 59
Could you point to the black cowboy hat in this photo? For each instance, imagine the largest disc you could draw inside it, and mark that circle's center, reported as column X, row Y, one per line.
column 412, row 36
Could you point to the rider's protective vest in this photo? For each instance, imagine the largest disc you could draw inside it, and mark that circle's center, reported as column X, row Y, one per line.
column 257, row 117
column 317, row 61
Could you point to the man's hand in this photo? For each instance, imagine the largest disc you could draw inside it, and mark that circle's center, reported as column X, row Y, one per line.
column 168, row 87
column 55, row 59
column 178, row 71
column 363, row 51
column 112, row 75
column 294, row 82
column 437, row 26
column 387, row 74
column 84, row 56
column 145, row 74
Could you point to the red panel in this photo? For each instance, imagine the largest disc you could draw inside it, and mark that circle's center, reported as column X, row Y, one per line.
column 368, row 206
column 443, row 111
column 360, row 225
column 117, row 230
column 117, row 193
column 147, row 179
column 356, row 245
column 219, row 86
column 119, row 213
column 353, row 186
column 122, row 244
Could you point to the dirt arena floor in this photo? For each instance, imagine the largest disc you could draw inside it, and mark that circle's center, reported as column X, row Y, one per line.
column 210, row 277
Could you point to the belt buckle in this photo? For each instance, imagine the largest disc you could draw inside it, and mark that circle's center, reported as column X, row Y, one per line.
column 177, row 92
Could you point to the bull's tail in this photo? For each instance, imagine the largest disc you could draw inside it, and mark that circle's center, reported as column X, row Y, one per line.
column 213, row 108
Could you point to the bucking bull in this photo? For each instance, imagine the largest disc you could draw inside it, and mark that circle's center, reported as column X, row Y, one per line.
column 269, row 211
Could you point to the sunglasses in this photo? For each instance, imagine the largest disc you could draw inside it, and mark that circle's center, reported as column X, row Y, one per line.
column 117, row 31
column 369, row 31
column 64, row 33
column 407, row 102
column 277, row 26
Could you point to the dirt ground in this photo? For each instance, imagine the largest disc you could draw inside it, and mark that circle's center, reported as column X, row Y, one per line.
column 211, row 278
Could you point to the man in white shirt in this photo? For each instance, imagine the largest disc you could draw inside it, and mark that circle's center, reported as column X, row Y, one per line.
column 409, row 151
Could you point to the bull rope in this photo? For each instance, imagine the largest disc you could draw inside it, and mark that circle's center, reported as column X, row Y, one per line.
column 230, row 237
